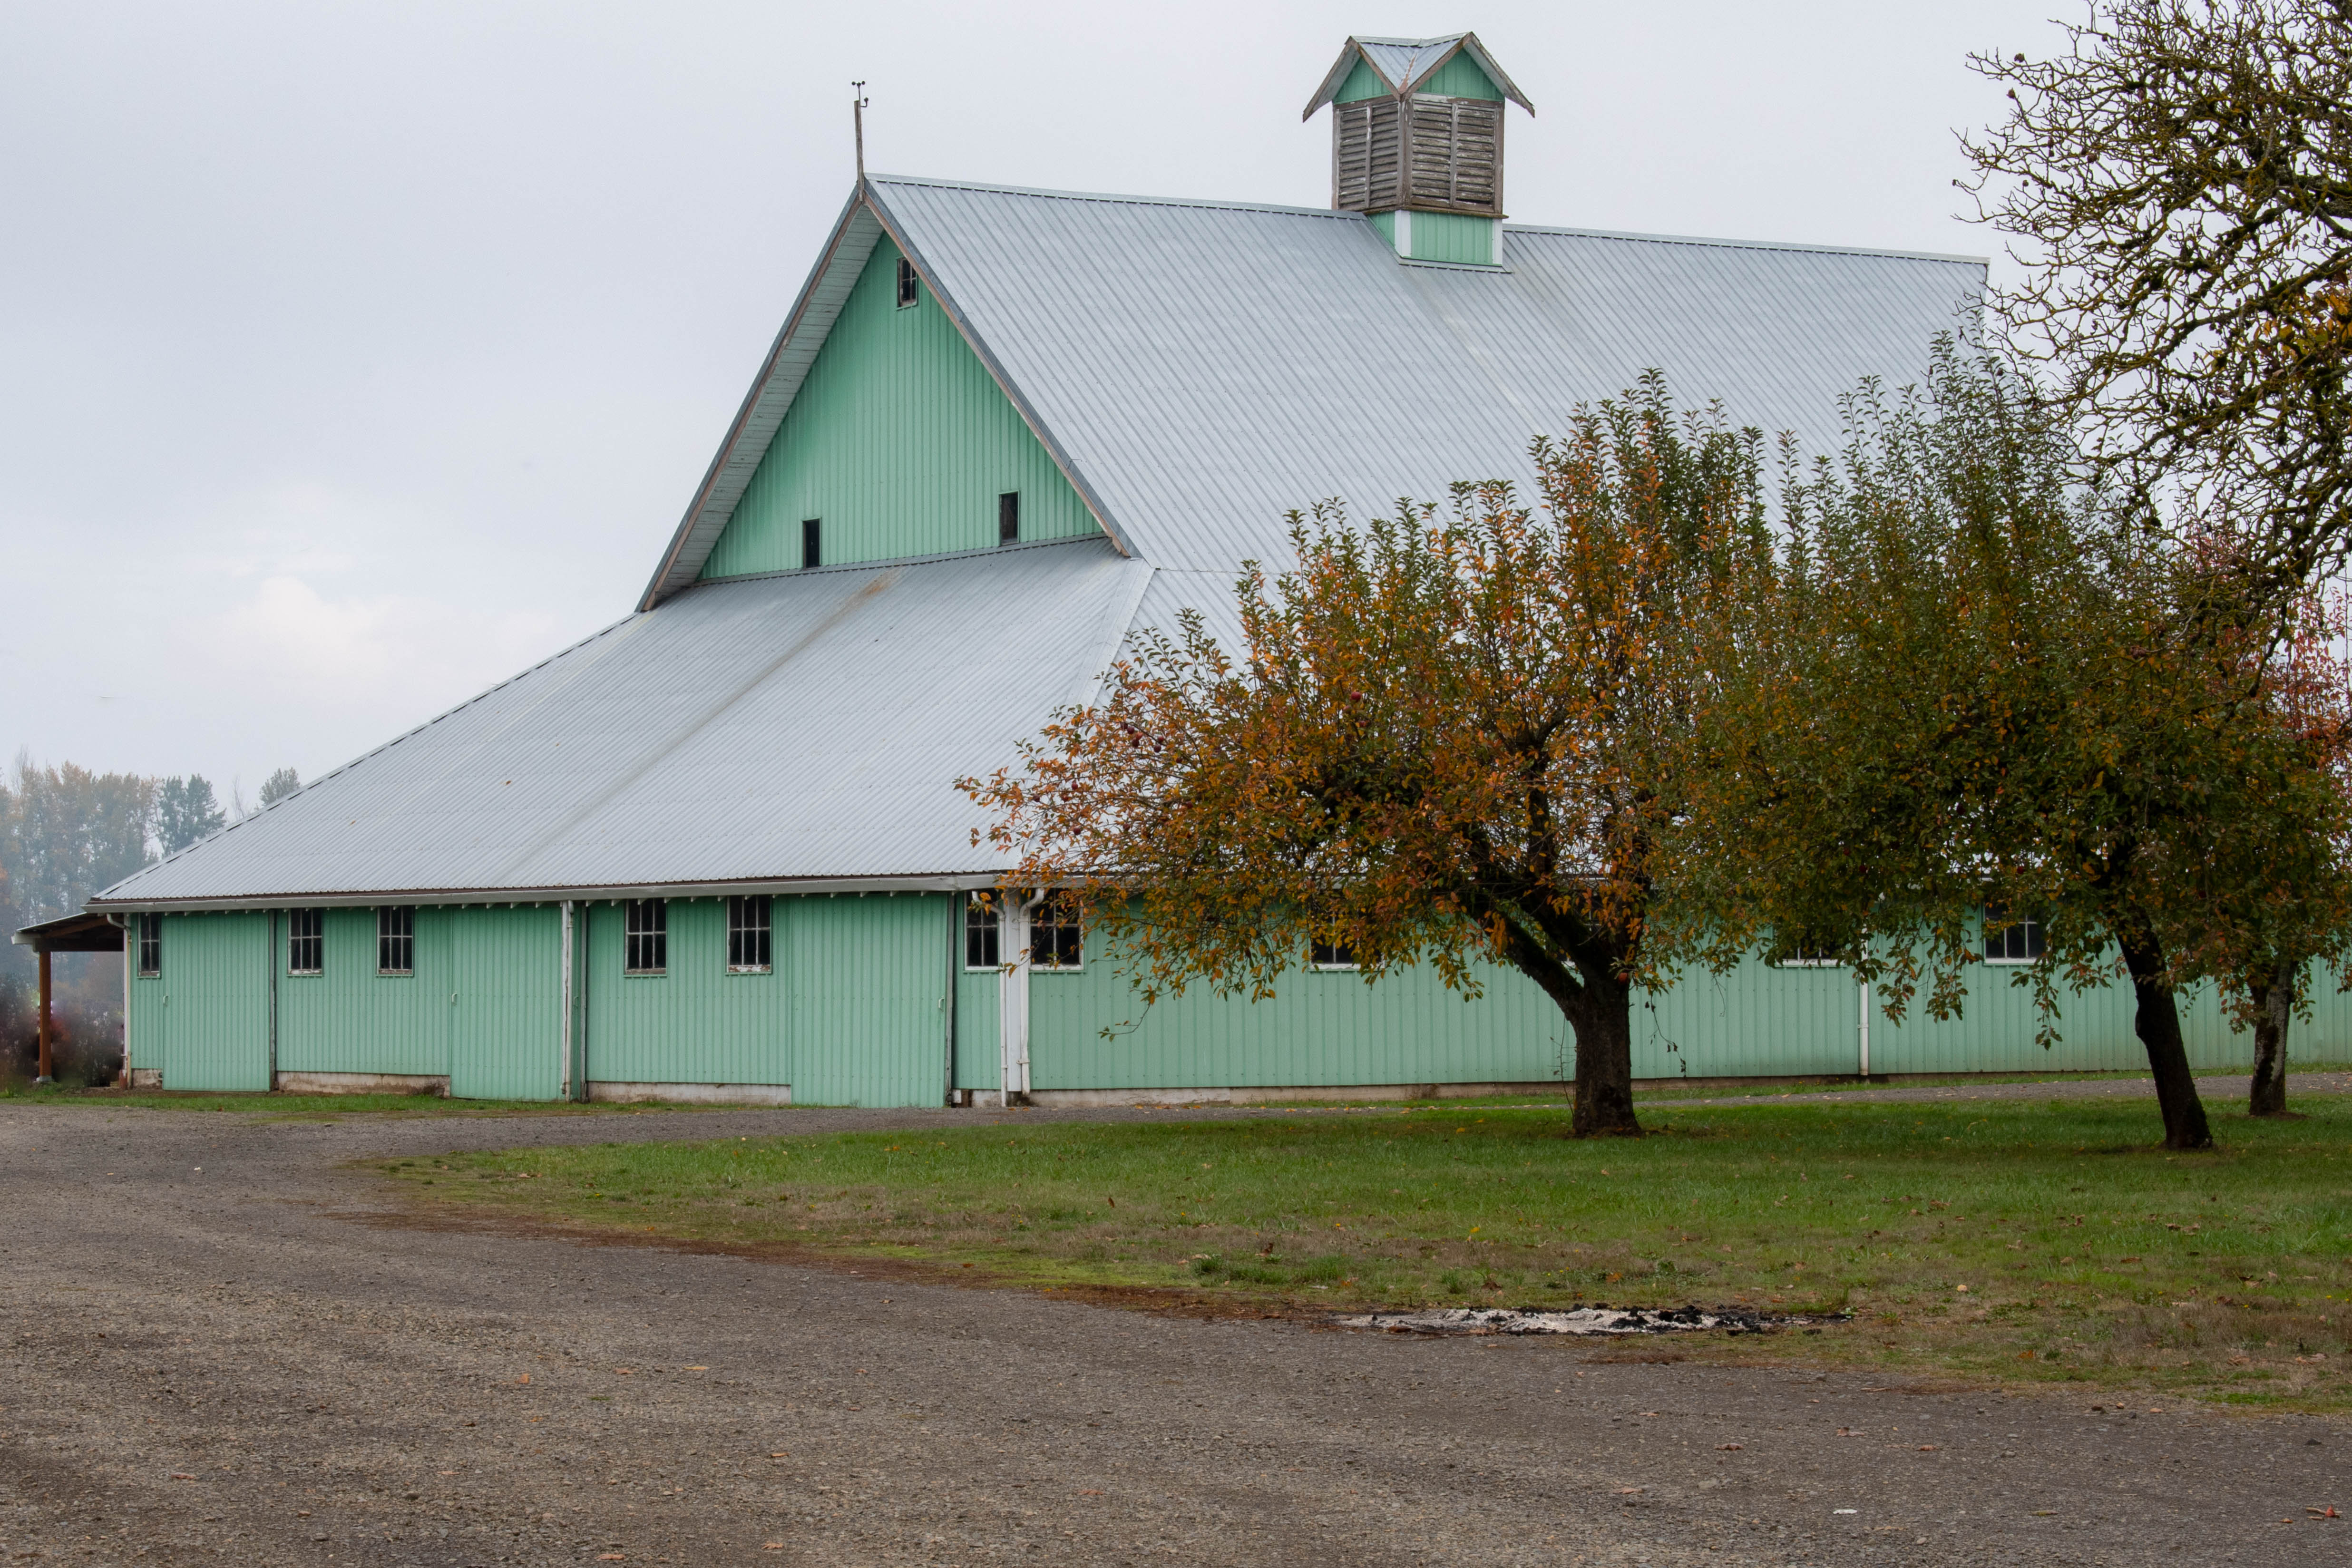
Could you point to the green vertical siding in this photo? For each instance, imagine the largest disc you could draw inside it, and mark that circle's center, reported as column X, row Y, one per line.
column 1460, row 77
column 1321, row 1027
column 506, row 1037
column 349, row 1019
column 1444, row 236
column 1759, row 1019
column 900, row 442
column 1457, row 78
column 1454, row 237
column 205, row 1021
column 696, row 1023
column 853, row 1015
column 868, row 984
column 978, row 1028
column 1363, row 82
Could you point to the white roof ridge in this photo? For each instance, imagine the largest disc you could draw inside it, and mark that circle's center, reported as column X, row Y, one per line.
column 1723, row 243
column 1114, row 196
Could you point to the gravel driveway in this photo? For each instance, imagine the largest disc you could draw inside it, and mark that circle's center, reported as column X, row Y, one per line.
column 218, row 1350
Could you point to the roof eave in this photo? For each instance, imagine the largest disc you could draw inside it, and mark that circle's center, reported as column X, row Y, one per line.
column 909, row 882
column 1349, row 53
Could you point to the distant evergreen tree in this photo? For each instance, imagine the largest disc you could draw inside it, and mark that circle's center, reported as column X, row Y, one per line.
column 186, row 812
column 280, row 784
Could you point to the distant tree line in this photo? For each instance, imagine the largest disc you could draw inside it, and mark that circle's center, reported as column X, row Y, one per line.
column 67, row 833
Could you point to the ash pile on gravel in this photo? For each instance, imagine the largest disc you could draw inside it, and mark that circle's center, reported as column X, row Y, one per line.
column 1592, row 1319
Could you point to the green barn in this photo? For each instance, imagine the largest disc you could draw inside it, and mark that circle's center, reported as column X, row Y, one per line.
column 713, row 851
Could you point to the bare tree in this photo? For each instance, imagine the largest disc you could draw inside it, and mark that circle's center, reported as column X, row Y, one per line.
column 2178, row 182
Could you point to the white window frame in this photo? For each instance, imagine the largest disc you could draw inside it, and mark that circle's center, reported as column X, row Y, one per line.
column 1040, row 922
column 306, row 927
column 1316, row 946
column 151, row 946
column 657, row 932
column 405, row 939
column 2029, row 926
column 984, row 918
column 738, row 907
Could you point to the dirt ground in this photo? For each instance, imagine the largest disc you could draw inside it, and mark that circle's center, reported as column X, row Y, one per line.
column 223, row 1347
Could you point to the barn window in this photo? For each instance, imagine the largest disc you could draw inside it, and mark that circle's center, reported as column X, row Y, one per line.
column 1329, row 952
column 748, row 948
column 151, row 945
column 1008, row 517
column 2010, row 939
column 910, row 287
column 1054, row 935
column 305, row 942
column 396, row 940
column 644, row 936
column 811, row 528
column 982, row 933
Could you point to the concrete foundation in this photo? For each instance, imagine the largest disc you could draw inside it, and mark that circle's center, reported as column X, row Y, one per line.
column 691, row 1093
column 362, row 1084
column 1345, row 1092
column 146, row 1077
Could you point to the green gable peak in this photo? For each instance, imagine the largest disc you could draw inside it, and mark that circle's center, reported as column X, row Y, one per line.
column 1455, row 65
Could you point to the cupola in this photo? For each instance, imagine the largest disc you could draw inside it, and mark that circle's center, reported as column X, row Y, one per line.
column 1417, row 143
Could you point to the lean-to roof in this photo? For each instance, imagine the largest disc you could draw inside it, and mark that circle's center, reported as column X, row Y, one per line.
column 784, row 732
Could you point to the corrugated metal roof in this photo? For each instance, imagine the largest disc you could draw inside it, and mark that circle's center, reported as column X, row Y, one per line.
column 1197, row 369
column 788, row 729
column 1401, row 62
column 1205, row 366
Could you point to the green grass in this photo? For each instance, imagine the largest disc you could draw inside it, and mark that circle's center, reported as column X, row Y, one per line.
column 2086, row 1250
column 313, row 1107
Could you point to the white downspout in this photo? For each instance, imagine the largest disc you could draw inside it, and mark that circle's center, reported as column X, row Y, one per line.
column 564, row 986
column 1864, row 1032
column 1012, row 1010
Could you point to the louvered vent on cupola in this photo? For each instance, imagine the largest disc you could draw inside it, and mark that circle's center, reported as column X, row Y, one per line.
column 1417, row 128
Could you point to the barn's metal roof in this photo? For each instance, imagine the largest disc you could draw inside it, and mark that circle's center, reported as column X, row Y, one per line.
column 789, row 731
column 1205, row 366
column 1197, row 369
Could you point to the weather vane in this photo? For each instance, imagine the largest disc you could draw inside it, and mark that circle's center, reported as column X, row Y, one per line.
column 857, row 119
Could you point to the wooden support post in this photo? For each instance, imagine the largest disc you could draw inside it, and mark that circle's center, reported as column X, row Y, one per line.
column 48, row 1070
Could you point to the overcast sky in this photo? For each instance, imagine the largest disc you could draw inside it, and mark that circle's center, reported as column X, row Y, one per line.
column 354, row 357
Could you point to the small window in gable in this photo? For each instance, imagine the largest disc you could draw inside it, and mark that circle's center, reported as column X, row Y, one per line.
column 1008, row 517
column 1329, row 953
column 644, row 936
column 1054, row 935
column 748, row 948
column 910, row 287
column 151, row 946
column 811, row 555
column 982, row 933
column 396, row 940
column 305, row 942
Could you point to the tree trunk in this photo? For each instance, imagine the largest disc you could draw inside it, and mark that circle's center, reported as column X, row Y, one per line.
column 2273, row 993
column 2156, row 1021
column 1602, row 1016
column 1599, row 1007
